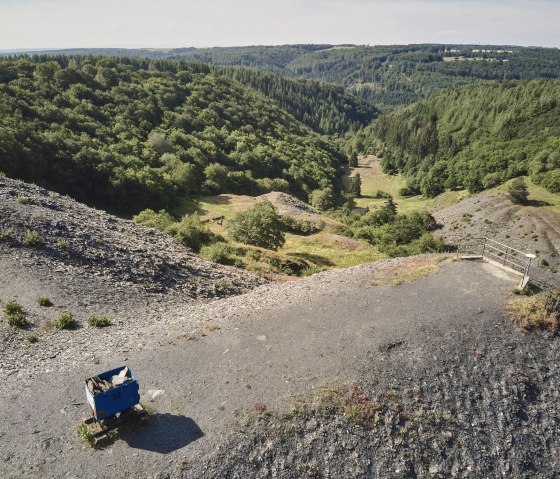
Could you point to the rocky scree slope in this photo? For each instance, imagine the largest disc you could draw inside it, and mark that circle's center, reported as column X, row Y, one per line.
column 44, row 227
column 531, row 228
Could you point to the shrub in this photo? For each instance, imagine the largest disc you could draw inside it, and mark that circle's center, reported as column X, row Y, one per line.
column 6, row 234
column 65, row 321
column 14, row 315
column 259, row 226
column 61, row 244
column 409, row 190
column 298, row 226
column 322, row 199
column 32, row 339
column 44, row 301
column 535, row 312
column 379, row 194
column 219, row 253
column 191, row 232
column 32, row 238
column 517, row 191
column 22, row 199
column 98, row 321
column 160, row 220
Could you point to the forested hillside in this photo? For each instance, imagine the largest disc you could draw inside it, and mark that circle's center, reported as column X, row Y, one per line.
column 475, row 137
column 126, row 134
column 325, row 107
column 384, row 76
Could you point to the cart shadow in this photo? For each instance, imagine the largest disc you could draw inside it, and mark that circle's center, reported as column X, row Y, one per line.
column 162, row 433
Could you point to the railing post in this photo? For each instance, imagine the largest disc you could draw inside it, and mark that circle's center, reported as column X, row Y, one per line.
column 484, row 247
column 530, row 257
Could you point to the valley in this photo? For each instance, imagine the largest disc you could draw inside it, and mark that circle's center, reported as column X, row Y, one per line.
column 271, row 237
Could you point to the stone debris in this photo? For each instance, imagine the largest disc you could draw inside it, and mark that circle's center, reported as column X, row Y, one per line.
column 96, row 385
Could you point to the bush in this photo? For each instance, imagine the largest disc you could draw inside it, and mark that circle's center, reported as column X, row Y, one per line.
column 14, row 315
column 6, row 234
column 32, row 238
column 322, row 199
column 98, row 321
column 517, row 191
column 65, row 321
column 44, row 301
column 379, row 194
column 409, row 190
column 160, row 220
column 259, row 226
column 298, row 226
column 32, row 339
column 220, row 253
column 535, row 312
column 61, row 244
column 191, row 232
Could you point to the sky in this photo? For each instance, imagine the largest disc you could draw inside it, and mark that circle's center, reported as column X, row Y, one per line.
column 36, row 24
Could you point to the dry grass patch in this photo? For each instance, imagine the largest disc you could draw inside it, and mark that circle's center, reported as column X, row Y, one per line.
column 538, row 312
column 410, row 270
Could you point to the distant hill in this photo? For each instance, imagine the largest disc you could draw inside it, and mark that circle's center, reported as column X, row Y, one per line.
column 386, row 76
column 125, row 134
column 476, row 137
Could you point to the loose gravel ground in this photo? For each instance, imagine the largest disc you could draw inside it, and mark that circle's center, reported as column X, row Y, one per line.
column 446, row 385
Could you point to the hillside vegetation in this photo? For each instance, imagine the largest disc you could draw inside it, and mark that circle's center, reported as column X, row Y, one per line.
column 383, row 75
column 325, row 107
column 126, row 134
column 476, row 137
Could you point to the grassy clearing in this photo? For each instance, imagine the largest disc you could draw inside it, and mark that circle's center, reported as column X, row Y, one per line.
column 410, row 270
column 322, row 250
column 327, row 250
column 373, row 179
column 536, row 193
column 537, row 312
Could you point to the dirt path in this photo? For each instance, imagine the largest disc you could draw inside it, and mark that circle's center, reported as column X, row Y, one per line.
column 273, row 343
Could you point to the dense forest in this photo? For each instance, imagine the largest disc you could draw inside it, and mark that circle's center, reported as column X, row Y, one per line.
column 383, row 76
column 125, row 134
column 475, row 137
column 325, row 107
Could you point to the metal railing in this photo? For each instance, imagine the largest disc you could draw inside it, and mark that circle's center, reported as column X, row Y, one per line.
column 500, row 253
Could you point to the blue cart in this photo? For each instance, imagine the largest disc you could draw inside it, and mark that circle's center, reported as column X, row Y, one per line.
column 114, row 399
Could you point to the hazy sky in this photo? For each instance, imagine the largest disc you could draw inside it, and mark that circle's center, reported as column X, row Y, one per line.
column 183, row 23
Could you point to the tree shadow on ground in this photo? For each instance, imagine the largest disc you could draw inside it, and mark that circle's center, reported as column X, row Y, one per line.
column 314, row 258
column 536, row 203
column 163, row 433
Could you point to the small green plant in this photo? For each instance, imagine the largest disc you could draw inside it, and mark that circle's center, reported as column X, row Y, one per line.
column 32, row 238
column 99, row 241
column 44, row 301
column 85, row 435
column 98, row 321
column 65, row 321
column 6, row 234
column 53, row 195
column 540, row 311
column 22, row 199
column 61, row 244
column 221, row 287
column 32, row 339
column 14, row 315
